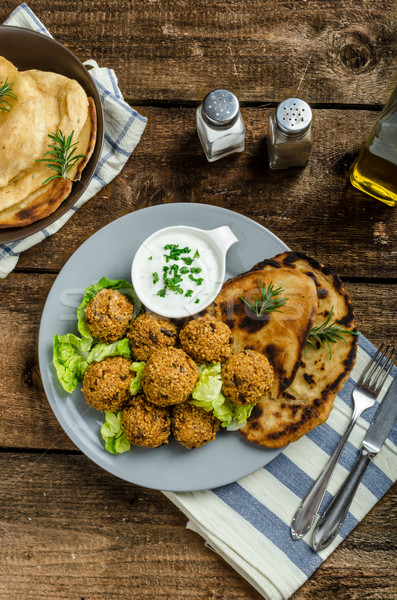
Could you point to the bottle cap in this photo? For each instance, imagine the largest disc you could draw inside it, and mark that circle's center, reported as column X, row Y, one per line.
column 293, row 117
column 220, row 108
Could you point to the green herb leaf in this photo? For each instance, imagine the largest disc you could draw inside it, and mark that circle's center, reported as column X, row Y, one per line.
column 175, row 252
column 197, row 301
column 328, row 333
column 188, row 293
column 196, row 254
column 156, row 277
column 267, row 302
column 62, row 157
column 198, row 280
column 6, row 92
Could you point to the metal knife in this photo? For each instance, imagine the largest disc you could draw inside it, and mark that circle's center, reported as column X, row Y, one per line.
column 330, row 523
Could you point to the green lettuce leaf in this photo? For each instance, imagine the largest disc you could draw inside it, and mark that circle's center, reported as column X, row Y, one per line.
column 101, row 350
column 207, row 395
column 135, row 385
column 123, row 286
column 112, row 432
column 71, row 357
column 240, row 416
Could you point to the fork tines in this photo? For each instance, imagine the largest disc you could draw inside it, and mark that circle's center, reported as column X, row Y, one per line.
column 374, row 376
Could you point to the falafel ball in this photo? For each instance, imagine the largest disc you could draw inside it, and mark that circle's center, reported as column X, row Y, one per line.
column 207, row 340
column 169, row 377
column 108, row 315
column 106, row 384
column 146, row 424
column 193, row 426
column 148, row 333
column 246, row 377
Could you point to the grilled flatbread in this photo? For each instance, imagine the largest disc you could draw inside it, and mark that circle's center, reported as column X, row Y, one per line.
column 281, row 336
column 278, row 420
column 46, row 102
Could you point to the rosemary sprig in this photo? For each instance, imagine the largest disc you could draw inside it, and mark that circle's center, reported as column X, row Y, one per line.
column 6, row 92
column 267, row 302
column 62, row 157
column 328, row 333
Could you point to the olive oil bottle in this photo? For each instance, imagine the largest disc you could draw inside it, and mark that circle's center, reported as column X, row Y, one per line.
column 375, row 170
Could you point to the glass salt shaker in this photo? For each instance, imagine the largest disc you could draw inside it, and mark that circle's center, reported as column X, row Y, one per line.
column 290, row 138
column 220, row 126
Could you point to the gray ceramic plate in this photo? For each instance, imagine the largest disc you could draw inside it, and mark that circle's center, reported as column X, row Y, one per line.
column 27, row 49
column 109, row 252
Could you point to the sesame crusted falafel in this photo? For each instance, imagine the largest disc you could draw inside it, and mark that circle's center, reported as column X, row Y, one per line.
column 148, row 333
column 106, row 384
column 246, row 377
column 108, row 315
column 207, row 340
column 146, row 424
column 169, row 377
column 193, row 426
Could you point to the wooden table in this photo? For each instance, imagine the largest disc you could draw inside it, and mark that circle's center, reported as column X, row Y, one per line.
column 68, row 529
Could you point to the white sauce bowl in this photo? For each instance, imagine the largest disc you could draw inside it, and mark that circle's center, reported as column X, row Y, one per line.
column 211, row 247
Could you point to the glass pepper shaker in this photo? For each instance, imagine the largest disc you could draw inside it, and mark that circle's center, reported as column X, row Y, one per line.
column 220, row 126
column 290, row 139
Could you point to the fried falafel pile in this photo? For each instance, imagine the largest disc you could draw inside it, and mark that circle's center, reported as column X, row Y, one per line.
column 163, row 405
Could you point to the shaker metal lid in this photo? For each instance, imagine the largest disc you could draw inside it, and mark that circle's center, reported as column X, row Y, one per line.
column 220, row 108
column 293, row 116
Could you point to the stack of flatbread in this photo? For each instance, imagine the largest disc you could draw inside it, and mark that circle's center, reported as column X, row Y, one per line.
column 46, row 102
column 306, row 379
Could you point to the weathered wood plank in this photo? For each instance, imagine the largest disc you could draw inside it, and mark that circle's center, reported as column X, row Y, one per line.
column 171, row 50
column 81, row 533
column 315, row 209
column 27, row 420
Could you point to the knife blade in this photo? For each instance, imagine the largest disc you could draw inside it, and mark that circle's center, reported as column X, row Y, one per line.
column 330, row 523
column 383, row 421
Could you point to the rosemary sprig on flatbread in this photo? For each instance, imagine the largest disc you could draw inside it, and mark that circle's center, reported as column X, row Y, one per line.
column 62, row 157
column 6, row 92
column 328, row 333
column 267, row 302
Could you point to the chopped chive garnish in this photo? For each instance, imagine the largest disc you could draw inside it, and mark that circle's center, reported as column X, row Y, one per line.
column 173, row 275
column 175, row 251
column 198, row 280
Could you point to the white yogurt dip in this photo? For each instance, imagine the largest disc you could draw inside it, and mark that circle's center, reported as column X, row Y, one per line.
column 179, row 270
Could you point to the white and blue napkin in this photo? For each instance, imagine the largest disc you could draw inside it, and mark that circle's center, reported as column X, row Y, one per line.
column 123, row 130
column 248, row 522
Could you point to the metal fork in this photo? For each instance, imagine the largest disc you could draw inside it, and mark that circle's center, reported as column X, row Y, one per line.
column 364, row 395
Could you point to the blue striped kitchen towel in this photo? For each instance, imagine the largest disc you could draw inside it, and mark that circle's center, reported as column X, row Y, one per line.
column 123, row 130
column 248, row 522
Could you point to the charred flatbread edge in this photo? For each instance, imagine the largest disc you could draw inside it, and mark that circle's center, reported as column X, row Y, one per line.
column 311, row 414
